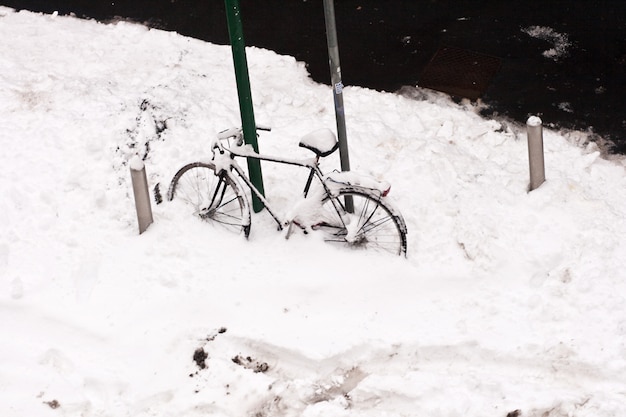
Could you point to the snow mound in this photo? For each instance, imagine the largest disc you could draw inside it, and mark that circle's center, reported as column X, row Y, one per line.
column 509, row 302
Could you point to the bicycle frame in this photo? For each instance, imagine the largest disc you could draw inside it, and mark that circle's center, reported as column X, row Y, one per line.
column 312, row 164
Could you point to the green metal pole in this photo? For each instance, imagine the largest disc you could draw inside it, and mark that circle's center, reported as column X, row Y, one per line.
column 235, row 30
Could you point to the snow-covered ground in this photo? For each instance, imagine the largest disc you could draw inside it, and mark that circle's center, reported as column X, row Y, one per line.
column 507, row 301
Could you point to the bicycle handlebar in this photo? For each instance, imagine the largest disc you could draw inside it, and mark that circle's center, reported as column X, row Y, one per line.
column 235, row 132
column 229, row 133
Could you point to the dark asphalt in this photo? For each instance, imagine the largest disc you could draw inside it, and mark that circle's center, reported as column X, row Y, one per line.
column 386, row 44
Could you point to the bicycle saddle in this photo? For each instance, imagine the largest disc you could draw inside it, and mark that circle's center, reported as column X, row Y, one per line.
column 322, row 142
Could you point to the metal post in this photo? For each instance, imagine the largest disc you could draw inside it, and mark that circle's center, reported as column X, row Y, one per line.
column 535, row 152
column 335, row 79
column 140, row 190
column 235, row 31
column 337, row 85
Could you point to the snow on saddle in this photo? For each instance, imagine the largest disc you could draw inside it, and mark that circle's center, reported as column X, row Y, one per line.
column 322, row 142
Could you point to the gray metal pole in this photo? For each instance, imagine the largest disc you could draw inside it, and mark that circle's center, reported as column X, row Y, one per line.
column 142, row 196
column 535, row 152
column 335, row 79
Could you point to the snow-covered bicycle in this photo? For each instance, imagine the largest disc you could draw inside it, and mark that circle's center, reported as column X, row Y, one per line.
column 350, row 209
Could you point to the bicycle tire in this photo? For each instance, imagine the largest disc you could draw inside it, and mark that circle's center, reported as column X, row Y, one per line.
column 373, row 224
column 215, row 198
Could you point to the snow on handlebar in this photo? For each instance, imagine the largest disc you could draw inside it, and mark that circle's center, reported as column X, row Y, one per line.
column 234, row 132
column 229, row 133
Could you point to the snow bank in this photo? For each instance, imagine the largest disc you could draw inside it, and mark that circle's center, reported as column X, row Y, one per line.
column 508, row 300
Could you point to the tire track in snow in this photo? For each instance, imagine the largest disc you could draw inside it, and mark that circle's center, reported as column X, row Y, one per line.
column 398, row 378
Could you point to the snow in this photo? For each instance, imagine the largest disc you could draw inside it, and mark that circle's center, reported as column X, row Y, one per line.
column 321, row 141
column 340, row 178
column 534, row 121
column 508, row 300
column 560, row 41
column 136, row 164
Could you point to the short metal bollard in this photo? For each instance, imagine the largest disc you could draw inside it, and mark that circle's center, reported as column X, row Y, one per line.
column 142, row 196
column 535, row 152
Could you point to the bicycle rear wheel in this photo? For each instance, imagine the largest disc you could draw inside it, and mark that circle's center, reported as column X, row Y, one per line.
column 215, row 198
column 373, row 224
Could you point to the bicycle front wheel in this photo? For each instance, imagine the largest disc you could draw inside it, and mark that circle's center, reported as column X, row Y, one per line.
column 372, row 224
column 215, row 198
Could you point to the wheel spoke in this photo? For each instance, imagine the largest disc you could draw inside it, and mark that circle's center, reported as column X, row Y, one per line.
column 215, row 199
column 374, row 227
column 366, row 222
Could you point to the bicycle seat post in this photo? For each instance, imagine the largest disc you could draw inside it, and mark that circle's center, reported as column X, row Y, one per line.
column 310, row 179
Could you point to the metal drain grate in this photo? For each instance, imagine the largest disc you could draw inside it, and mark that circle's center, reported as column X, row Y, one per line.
column 459, row 72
